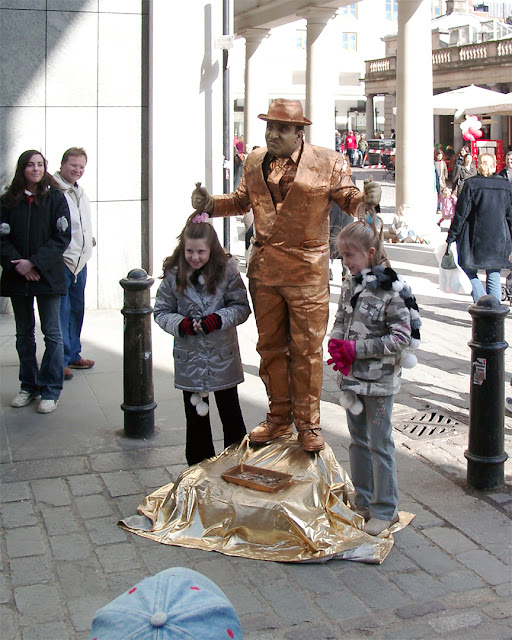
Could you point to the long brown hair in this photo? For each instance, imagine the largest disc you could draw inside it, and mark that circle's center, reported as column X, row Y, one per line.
column 212, row 271
column 15, row 192
column 362, row 235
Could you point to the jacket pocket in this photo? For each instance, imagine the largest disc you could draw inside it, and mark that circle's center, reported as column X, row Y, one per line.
column 180, row 355
column 367, row 369
column 226, row 352
column 372, row 310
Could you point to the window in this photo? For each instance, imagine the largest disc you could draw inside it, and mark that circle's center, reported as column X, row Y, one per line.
column 436, row 8
column 349, row 41
column 391, row 10
column 301, row 38
column 350, row 11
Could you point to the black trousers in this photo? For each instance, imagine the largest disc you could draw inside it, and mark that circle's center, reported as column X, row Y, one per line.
column 199, row 433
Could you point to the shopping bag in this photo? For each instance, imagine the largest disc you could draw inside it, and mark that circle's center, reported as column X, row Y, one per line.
column 451, row 280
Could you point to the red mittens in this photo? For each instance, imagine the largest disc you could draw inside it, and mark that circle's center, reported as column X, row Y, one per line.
column 343, row 354
column 211, row 322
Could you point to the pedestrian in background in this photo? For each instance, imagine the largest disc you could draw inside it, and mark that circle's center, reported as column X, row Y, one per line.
column 482, row 227
column 35, row 231
column 78, row 252
column 200, row 301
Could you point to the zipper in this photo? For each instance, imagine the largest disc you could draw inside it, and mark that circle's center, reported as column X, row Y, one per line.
column 27, row 242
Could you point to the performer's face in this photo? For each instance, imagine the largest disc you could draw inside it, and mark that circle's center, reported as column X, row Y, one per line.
column 282, row 139
column 356, row 259
column 73, row 169
column 197, row 252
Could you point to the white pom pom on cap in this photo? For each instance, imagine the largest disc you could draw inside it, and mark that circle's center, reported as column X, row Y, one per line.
column 397, row 285
column 195, row 398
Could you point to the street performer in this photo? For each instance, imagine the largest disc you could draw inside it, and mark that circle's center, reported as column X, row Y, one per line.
column 290, row 186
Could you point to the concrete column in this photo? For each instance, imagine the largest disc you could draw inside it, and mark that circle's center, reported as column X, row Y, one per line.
column 255, row 95
column 321, row 80
column 370, row 129
column 415, row 129
column 458, row 140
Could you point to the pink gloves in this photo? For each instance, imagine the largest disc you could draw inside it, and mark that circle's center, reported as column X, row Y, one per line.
column 343, row 354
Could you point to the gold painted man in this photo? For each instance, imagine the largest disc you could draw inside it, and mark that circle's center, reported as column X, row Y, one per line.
column 290, row 186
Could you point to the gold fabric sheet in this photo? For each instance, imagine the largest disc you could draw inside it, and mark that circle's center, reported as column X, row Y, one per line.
column 309, row 520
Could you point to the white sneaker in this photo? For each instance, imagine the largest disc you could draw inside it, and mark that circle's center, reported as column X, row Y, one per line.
column 23, row 398
column 47, row 406
column 508, row 404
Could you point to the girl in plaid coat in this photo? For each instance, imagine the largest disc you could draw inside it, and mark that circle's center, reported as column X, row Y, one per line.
column 376, row 323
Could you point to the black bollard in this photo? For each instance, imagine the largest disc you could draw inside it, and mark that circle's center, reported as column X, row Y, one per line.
column 138, row 406
column 486, row 450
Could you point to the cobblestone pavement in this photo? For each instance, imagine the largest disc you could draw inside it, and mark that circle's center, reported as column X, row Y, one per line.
column 68, row 477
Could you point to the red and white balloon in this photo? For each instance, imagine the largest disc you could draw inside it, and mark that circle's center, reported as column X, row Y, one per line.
column 471, row 128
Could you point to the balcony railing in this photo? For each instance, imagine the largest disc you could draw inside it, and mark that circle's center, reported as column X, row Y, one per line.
column 497, row 49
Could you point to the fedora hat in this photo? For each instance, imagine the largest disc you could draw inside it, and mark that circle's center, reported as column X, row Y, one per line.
column 286, row 111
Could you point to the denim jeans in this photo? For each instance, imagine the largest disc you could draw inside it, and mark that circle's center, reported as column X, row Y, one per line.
column 493, row 283
column 72, row 315
column 47, row 379
column 372, row 456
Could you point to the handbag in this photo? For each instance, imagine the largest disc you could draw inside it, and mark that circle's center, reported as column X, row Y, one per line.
column 448, row 261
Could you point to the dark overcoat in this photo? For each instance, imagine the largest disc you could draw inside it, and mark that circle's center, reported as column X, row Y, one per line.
column 482, row 225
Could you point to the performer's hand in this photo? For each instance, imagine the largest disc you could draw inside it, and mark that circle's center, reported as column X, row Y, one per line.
column 187, row 326
column 23, row 266
column 372, row 192
column 201, row 199
column 210, row 323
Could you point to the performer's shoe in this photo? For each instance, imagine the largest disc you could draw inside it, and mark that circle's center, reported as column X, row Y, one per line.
column 363, row 511
column 311, row 439
column 268, row 431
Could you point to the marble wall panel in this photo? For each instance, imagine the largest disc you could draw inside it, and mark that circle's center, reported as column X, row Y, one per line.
column 72, row 5
column 119, row 153
column 119, row 62
column 21, row 128
column 22, row 82
column 123, row 6
column 71, row 69
column 74, row 127
column 23, row 4
column 91, row 289
column 118, row 249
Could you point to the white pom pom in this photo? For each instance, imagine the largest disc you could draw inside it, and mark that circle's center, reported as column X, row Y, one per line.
column 371, row 278
column 351, row 402
column 194, row 399
column 415, row 343
column 202, row 408
column 409, row 361
column 397, row 285
column 414, row 314
column 201, row 279
column 204, row 394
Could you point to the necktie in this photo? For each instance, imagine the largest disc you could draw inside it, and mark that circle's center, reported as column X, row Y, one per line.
column 273, row 181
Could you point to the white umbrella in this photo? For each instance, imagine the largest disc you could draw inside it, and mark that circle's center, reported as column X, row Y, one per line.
column 460, row 101
column 503, row 108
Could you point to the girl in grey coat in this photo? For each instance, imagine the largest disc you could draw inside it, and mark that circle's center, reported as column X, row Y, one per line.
column 200, row 301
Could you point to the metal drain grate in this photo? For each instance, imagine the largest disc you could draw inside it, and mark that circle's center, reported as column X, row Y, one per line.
column 425, row 426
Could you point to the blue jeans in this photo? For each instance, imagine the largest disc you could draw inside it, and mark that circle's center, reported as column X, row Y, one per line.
column 493, row 283
column 72, row 307
column 372, row 456
column 48, row 379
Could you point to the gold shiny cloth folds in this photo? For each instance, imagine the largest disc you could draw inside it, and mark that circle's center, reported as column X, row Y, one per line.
column 309, row 520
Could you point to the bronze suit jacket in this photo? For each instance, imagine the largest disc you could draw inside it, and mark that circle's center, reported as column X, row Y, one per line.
column 291, row 248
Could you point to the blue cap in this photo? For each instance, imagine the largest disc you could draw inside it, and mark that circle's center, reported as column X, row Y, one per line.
column 177, row 604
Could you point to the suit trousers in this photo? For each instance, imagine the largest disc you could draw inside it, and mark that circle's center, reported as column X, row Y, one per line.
column 291, row 322
column 199, row 433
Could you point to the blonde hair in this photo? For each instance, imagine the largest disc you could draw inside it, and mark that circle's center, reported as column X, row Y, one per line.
column 446, row 192
column 362, row 235
column 486, row 164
